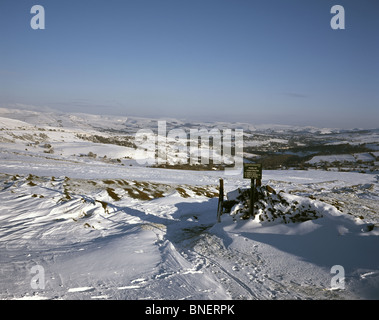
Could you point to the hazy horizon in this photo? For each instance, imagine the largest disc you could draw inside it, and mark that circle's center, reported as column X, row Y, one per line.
column 194, row 120
column 245, row 61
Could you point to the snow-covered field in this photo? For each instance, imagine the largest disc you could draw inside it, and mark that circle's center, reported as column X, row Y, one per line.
column 84, row 227
column 342, row 158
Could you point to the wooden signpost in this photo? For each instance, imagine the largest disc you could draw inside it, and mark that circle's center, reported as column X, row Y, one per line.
column 252, row 171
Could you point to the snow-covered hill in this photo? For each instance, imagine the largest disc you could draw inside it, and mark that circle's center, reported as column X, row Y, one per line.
column 129, row 124
column 76, row 223
column 128, row 239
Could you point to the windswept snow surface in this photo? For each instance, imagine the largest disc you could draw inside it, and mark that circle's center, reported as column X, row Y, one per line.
column 129, row 239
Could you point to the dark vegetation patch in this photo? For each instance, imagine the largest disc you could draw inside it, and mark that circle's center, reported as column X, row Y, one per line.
column 124, row 141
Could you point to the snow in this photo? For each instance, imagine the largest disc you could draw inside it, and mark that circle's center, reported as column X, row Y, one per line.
column 172, row 248
column 102, row 230
column 365, row 157
column 13, row 124
column 332, row 158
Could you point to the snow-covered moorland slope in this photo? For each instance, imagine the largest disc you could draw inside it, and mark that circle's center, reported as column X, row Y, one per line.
column 74, row 226
column 120, row 239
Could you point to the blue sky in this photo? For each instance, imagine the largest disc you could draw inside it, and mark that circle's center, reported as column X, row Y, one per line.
column 263, row 61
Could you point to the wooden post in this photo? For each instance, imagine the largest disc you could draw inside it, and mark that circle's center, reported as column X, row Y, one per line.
column 220, row 200
column 252, row 197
